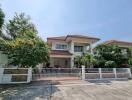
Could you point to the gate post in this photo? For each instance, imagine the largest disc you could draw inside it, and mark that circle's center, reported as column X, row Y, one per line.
column 129, row 71
column 100, row 73
column 29, row 75
column 1, row 74
column 83, row 72
column 114, row 71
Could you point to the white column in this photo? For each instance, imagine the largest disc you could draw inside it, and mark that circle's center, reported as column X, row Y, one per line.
column 1, row 74
column 100, row 73
column 72, row 62
column 52, row 62
column 71, row 47
column 85, row 49
column 29, row 75
column 114, row 71
column 83, row 72
column 129, row 71
column 90, row 48
column 71, row 50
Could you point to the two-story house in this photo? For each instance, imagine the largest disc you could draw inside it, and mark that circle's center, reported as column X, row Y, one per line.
column 65, row 48
column 122, row 44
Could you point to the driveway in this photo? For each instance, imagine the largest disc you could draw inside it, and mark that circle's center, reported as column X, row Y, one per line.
column 68, row 90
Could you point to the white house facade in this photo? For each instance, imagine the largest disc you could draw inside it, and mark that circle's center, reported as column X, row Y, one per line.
column 65, row 48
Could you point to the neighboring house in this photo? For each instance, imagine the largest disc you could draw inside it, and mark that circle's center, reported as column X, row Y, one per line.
column 119, row 43
column 122, row 44
column 65, row 48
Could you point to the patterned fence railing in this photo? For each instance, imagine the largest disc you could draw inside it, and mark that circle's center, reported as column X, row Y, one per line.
column 43, row 73
column 25, row 75
column 106, row 73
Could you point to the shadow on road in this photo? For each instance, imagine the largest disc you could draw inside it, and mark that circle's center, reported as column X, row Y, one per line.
column 41, row 90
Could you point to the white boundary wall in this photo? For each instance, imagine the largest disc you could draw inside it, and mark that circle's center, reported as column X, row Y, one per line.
column 100, row 73
column 7, row 78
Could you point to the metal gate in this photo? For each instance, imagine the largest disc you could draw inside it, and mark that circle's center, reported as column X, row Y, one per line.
column 62, row 74
column 56, row 74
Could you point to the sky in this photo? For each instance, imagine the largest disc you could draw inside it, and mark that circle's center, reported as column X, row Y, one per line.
column 105, row 19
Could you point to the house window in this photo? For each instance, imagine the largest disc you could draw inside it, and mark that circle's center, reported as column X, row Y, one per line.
column 78, row 48
column 61, row 46
column 66, row 62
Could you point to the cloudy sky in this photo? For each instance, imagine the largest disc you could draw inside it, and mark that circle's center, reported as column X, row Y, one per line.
column 106, row 19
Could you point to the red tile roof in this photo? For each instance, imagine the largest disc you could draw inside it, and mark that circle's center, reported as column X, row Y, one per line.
column 74, row 36
column 59, row 52
column 82, row 36
column 118, row 42
column 57, row 38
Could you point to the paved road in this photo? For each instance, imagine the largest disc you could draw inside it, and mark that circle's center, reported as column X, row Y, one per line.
column 72, row 90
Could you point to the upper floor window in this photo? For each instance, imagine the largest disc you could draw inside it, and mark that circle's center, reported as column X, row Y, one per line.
column 78, row 48
column 61, row 46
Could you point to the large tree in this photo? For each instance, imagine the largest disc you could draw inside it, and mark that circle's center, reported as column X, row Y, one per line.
column 22, row 44
column 26, row 52
column 18, row 26
column 2, row 16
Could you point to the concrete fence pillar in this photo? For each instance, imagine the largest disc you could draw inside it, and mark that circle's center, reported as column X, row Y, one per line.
column 129, row 71
column 29, row 75
column 100, row 73
column 1, row 71
column 83, row 72
column 114, row 71
column 1, row 74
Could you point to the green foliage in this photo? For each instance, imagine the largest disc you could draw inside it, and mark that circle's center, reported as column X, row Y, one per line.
column 20, row 25
column 2, row 16
column 85, row 59
column 78, row 61
column 130, row 62
column 107, row 53
column 21, row 43
column 110, row 64
column 100, row 63
column 26, row 52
